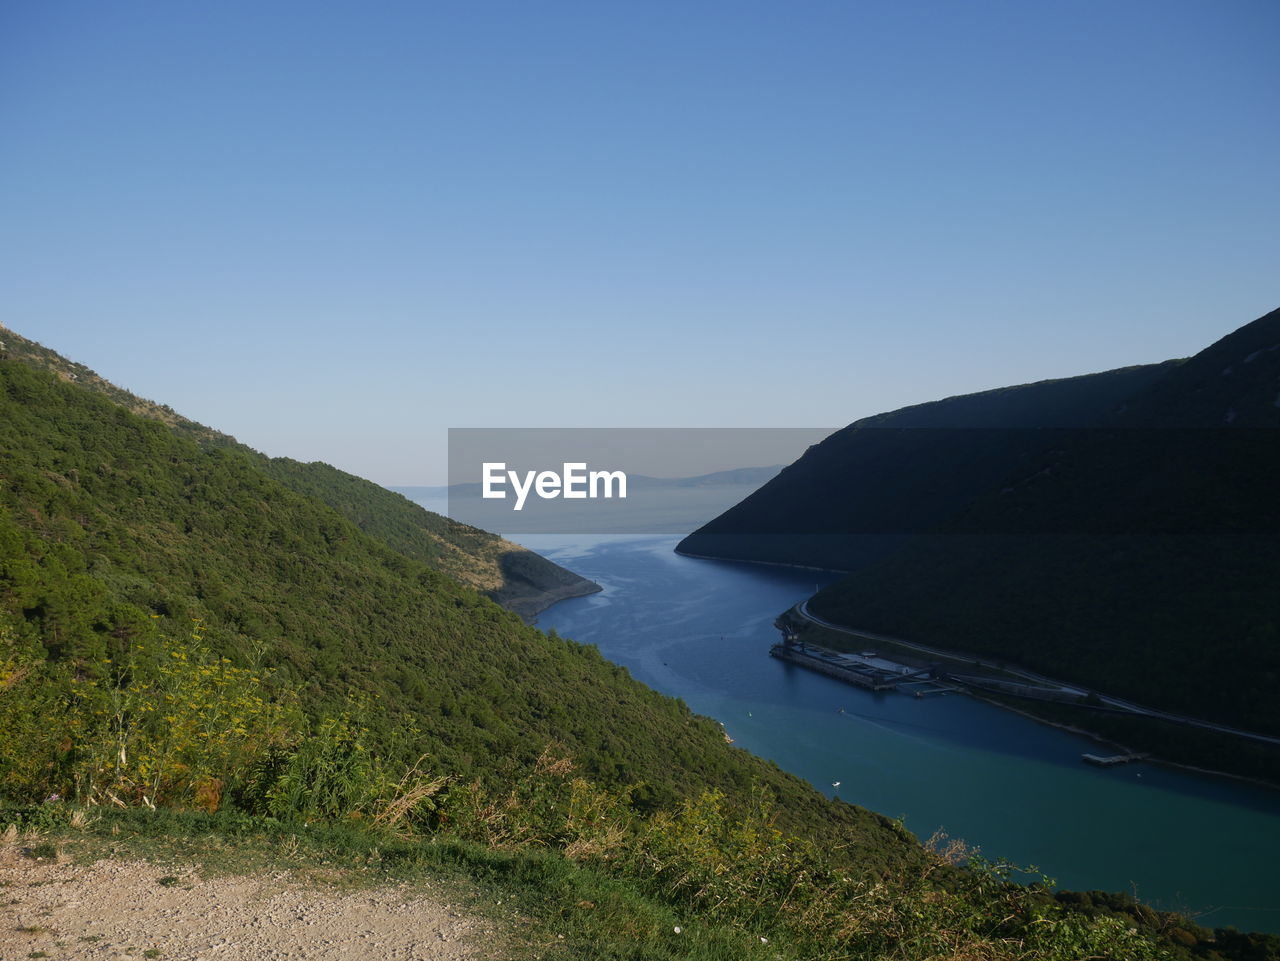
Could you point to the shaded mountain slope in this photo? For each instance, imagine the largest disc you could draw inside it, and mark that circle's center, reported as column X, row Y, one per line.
column 860, row 492
column 1123, row 537
column 1141, row 558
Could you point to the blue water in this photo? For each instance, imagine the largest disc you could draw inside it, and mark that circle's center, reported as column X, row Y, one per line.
column 701, row 630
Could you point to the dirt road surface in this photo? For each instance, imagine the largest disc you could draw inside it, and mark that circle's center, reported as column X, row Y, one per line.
column 114, row 910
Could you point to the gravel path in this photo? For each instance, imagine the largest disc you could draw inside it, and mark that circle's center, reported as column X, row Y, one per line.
column 115, row 910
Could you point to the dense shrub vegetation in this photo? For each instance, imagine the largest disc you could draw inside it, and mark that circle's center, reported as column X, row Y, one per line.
column 173, row 725
column 115, row 527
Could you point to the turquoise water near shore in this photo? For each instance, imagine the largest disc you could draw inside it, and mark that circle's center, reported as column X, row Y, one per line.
column 700, row 630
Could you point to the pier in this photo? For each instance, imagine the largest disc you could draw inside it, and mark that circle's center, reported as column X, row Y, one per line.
column 1111, row 760
column 865, row 670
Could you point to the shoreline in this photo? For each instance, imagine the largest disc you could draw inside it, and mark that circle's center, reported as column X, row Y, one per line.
column 802, row 610
column 1071, row 727
column 743, row 560
column 1100, row 739
column 529, row 605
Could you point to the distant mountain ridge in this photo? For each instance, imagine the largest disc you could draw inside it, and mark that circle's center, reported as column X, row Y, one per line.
column 652, row 505
column 737, row 477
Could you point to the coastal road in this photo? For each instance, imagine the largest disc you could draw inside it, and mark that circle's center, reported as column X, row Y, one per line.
column 1041, row 681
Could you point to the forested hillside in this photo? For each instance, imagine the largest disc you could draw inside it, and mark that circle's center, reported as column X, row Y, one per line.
column 115, row 526
column 516, row 578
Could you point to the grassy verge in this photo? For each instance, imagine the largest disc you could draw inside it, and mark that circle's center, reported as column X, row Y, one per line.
column 549, row 906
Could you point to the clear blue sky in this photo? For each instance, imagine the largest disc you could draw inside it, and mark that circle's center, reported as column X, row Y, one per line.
column 336, row 229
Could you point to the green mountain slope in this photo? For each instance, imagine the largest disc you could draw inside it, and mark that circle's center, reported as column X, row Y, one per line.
column 112, row 524
column 516, row 578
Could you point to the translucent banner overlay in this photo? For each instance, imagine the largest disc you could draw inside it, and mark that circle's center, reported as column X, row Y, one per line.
column 676, row 479
column 865, row 481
